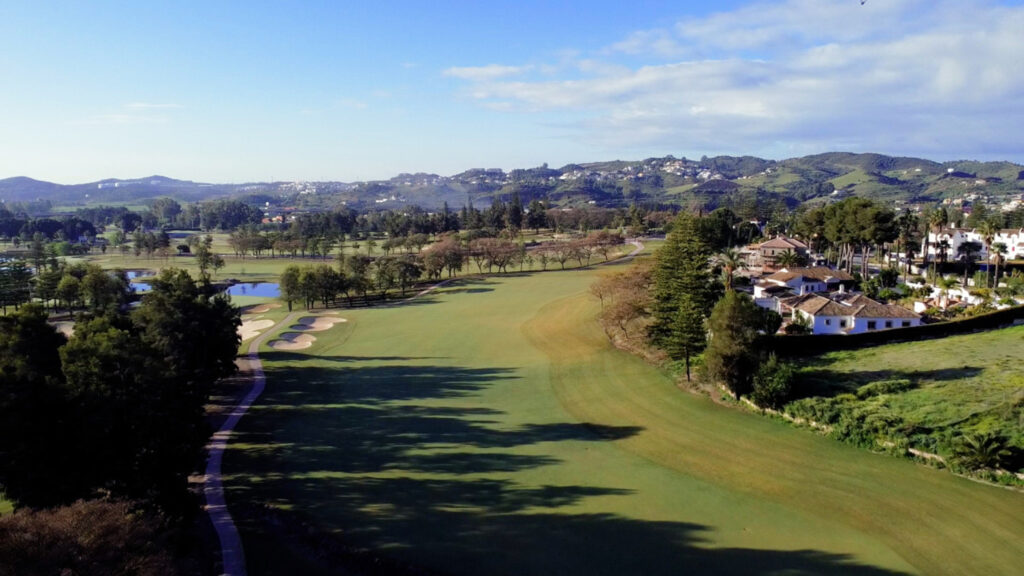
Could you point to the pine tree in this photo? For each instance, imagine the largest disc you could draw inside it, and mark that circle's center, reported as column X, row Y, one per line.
column 688, row 335
column 682, row 280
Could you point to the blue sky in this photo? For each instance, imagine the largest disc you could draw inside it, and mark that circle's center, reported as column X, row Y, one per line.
column 246, row 91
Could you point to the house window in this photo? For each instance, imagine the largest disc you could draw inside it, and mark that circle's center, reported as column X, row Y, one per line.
column 828, row 322
column 871, row 325
column 842, row 323
column 888, row 323
column 906, row 323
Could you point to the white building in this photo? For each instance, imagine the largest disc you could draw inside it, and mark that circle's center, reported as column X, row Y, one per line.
column 1012, row 238
column 849, row 314
column 801, row 281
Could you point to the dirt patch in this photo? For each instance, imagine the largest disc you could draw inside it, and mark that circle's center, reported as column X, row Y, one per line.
column 259, row 308
column 317, row 323
column 251, row 328
column 292, row 341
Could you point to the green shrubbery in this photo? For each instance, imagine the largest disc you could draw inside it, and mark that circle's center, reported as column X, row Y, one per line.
column 773, row 384
column 884, row 387
column 849, row 419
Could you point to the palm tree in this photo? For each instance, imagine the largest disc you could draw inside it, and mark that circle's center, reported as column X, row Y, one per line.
column 968, row 252
column 943, row 250
column 731, row 261
column 987, row 230
column 787, row 259
column 982, row 450
column 937, row 220
column 999, row 251
column 945, row 283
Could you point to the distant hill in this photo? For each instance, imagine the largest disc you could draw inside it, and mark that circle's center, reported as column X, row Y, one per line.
column 22, row 189
column 706, row 182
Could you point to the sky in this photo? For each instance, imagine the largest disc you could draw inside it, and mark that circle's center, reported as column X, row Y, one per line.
column 254, row 91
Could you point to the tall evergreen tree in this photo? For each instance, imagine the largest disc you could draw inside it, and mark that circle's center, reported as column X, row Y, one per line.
column 514, row 212
column 683, row 291
column 733, row 356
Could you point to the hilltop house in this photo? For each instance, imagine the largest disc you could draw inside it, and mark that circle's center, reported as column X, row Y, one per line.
column 771, row 250
column 848, row 313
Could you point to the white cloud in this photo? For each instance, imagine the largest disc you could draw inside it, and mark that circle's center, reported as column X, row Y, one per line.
column 658, row 42
column 488, row 72
column 908, row 76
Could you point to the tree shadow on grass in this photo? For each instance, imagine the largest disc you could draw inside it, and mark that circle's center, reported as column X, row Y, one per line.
column 379, row 472
column 817, row 381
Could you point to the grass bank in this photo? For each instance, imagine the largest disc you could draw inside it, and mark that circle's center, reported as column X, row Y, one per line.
column 968, row 384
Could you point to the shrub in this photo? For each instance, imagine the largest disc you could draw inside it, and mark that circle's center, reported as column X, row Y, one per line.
column 87, row 537
column 773, row 384
column 884, row 387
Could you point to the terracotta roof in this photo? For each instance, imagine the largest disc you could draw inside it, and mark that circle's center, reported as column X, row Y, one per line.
column 856, row 305
column 783, row 242
column 872, row 309
column 819, row 273
column 816, row 305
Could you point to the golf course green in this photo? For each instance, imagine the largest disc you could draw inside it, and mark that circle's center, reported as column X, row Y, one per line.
column 489, row 428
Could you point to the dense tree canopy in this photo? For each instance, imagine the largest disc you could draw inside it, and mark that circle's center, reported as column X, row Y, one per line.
column 119, row 407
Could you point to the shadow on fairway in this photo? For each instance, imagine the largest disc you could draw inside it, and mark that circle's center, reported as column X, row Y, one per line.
column 372, row 472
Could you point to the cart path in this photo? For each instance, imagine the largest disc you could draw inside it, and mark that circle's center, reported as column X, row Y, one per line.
column 232, row 554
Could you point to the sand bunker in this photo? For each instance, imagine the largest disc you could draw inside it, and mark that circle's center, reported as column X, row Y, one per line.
column 292, row 341
column 65, row 328
column 260, row 308
column 251, row 328
column 317, row 323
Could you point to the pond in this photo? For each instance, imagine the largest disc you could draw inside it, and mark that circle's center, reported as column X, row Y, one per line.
column 141, row 286
column 262, row 289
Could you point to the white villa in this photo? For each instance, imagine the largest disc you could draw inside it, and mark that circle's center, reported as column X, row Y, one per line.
column 848, row 313
column 954, row 237
column 801, row 281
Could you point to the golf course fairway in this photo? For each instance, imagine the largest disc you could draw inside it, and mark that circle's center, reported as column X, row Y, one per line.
column 489, row 428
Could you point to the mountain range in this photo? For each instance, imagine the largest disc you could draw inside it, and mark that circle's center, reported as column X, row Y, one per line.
column 667, row 180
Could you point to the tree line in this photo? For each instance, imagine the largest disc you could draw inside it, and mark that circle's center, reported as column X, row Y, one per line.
column 360, row 278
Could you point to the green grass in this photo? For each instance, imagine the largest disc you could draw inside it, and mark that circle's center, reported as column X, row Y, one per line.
column 969, row 383
column 490, row 429
column 854, row 177
column 6, row 507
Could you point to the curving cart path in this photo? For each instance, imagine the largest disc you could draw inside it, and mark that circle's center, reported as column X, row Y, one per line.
column 232, row 554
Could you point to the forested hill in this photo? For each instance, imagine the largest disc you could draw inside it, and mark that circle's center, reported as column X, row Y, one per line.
column 667, row 180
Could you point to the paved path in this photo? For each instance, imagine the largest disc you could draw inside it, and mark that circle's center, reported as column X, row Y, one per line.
column 233, row 557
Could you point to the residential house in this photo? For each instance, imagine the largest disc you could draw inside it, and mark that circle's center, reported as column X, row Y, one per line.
column 849, row 313
column 801, row 280
column 772, row 249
